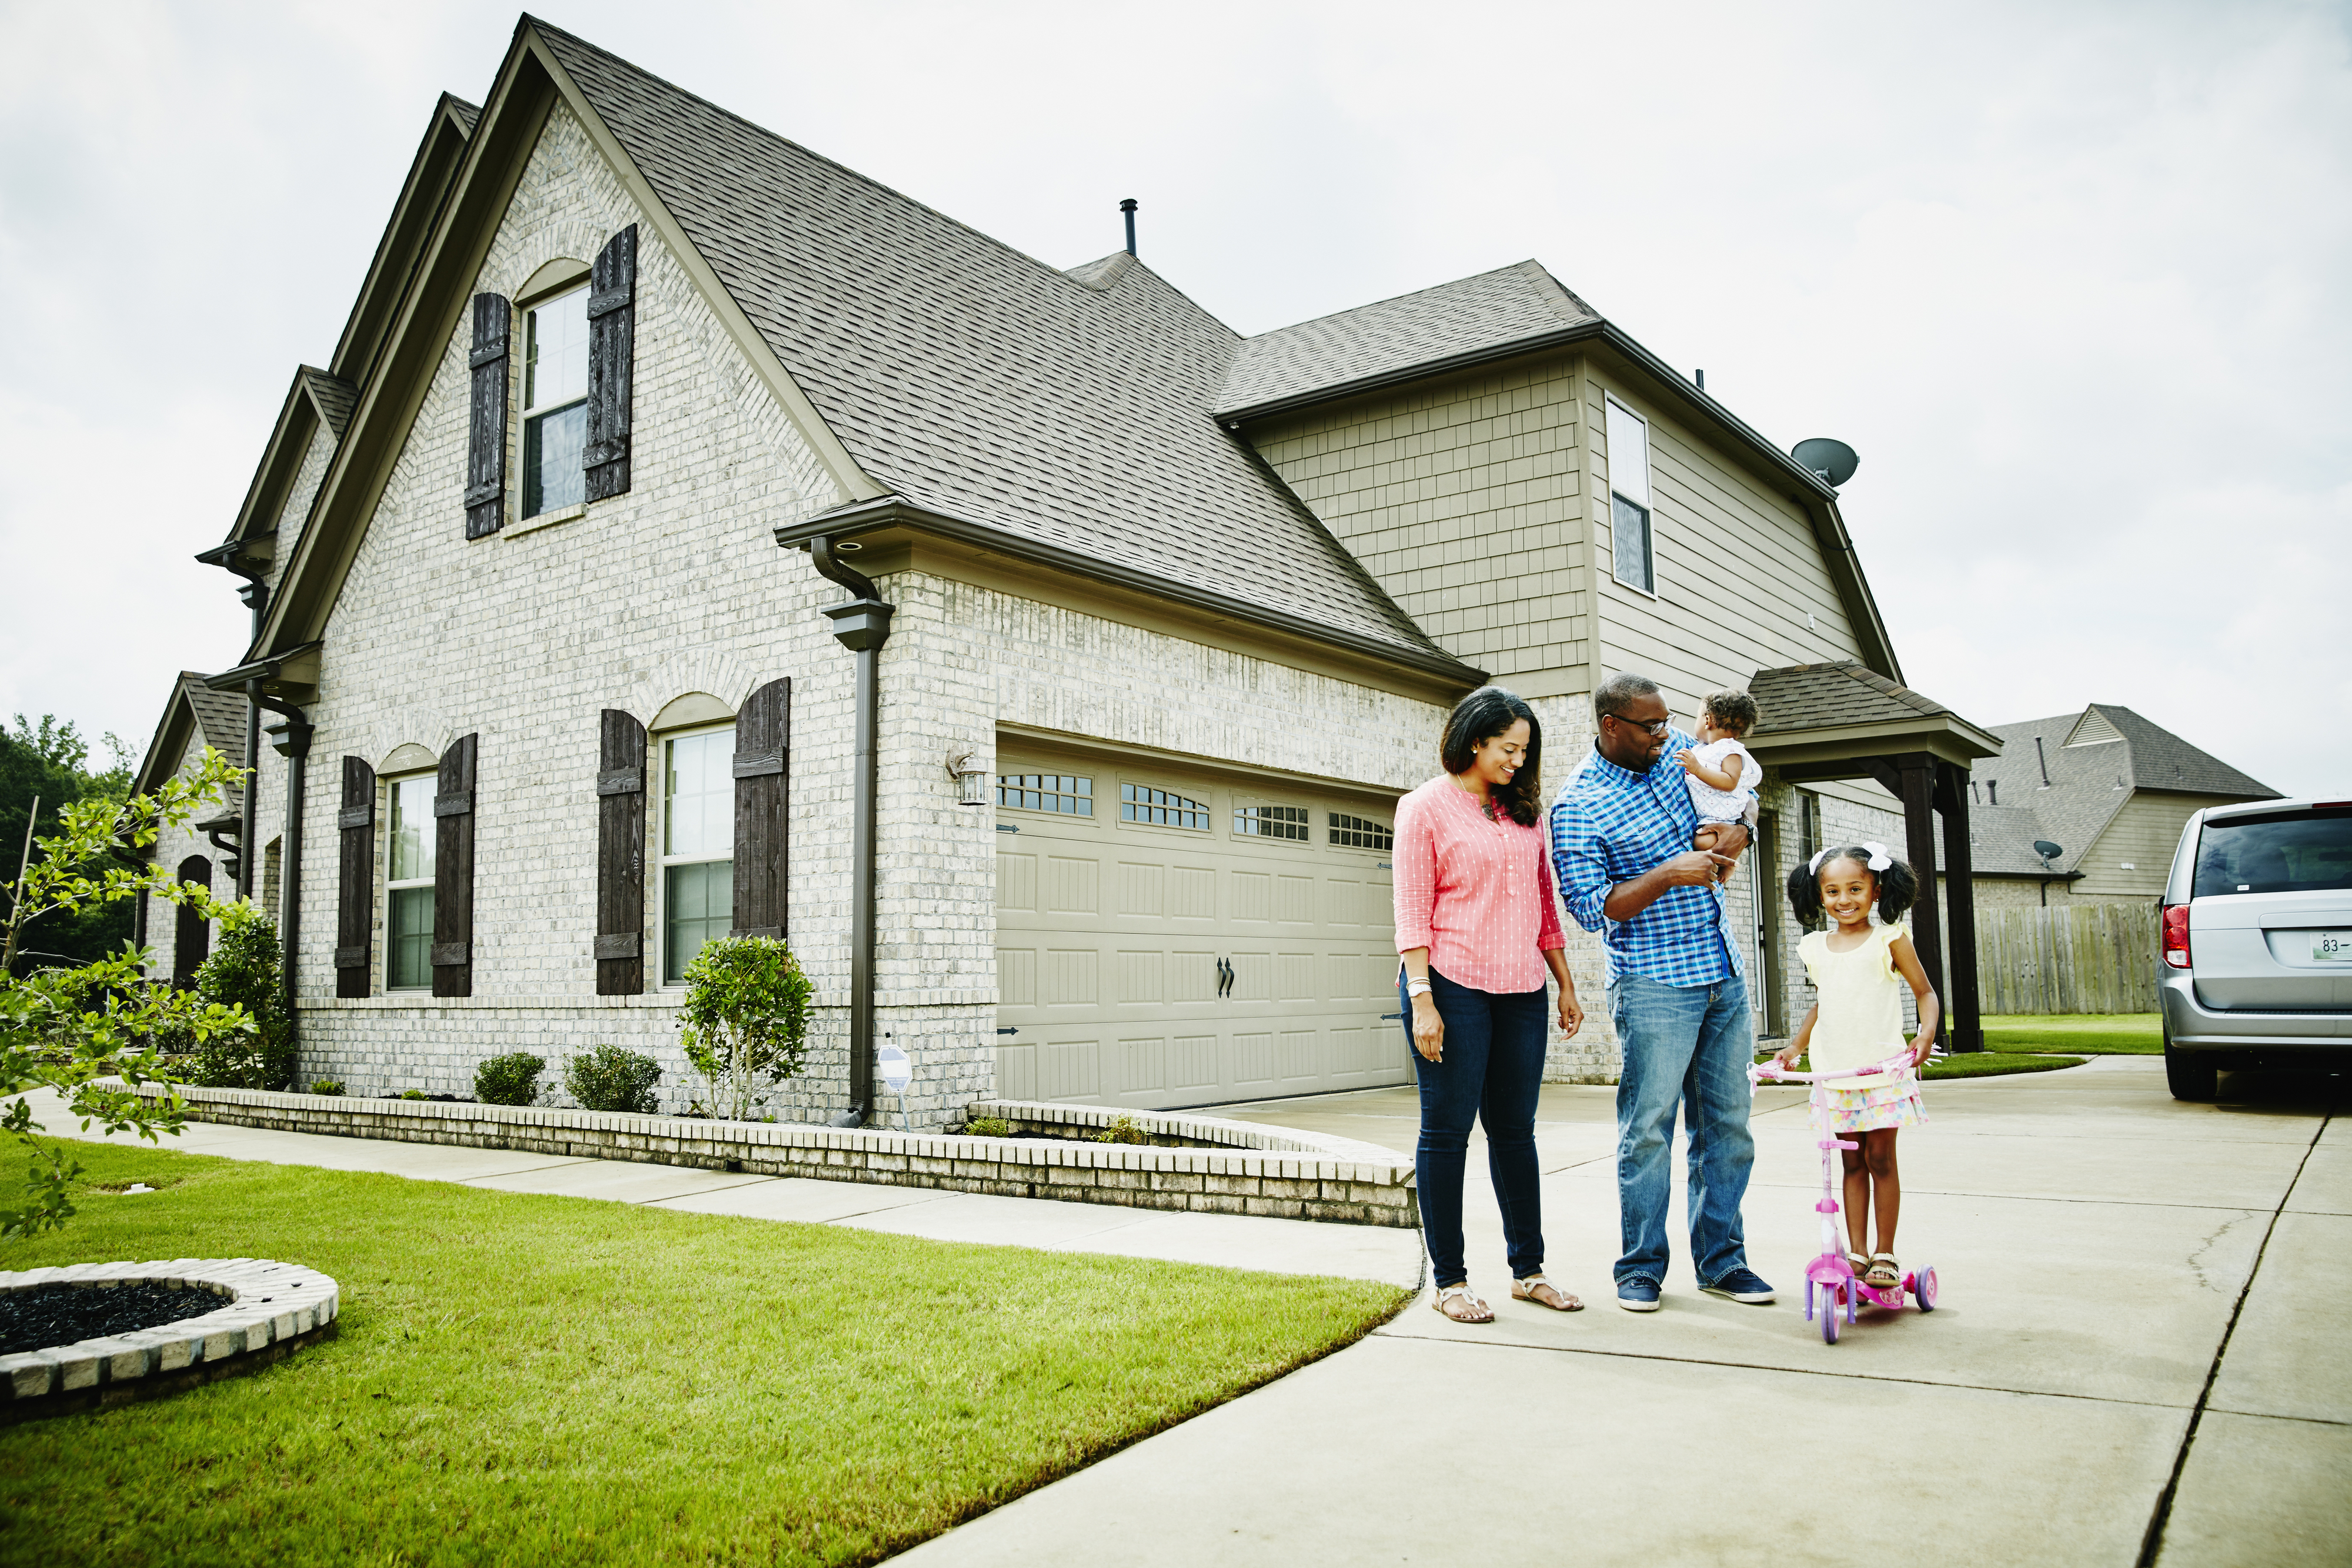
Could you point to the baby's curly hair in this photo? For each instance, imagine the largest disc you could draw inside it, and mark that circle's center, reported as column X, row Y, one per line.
column 1734, row 711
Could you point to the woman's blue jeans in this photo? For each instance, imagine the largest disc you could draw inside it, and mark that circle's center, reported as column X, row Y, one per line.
column 1492, row 1074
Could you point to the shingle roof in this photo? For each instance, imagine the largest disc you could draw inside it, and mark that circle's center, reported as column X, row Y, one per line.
column 1508, row 305
column 220, row 715
column 1832, row 695
column 335, row 396
column 194, row 710
column 976, row 381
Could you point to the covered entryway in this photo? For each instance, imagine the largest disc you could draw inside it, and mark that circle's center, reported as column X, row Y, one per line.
column 1169, row 936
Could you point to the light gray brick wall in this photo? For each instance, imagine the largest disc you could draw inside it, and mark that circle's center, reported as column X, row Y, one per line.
column 295, row 511
column 173, row 845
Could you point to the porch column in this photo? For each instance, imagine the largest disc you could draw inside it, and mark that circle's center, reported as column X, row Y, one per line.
column 1966, row 1030
column 1919, row 779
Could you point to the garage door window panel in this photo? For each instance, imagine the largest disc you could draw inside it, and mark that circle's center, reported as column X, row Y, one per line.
column 1056, row 794
column 1161, row 808
column 1272, row 823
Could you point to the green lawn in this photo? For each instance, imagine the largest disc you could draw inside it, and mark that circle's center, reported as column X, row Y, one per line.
column 2099, row 1034
column 1994, row 1062
column 524, row 1379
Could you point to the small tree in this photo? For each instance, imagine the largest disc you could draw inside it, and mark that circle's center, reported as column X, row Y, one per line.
column 69, row 1030
column 745, row 1019
column 243, row 972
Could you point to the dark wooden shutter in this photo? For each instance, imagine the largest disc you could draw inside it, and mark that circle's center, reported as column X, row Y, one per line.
column 453, row 871
column 356, row 890
column 612, row 362
column 486, row 455
column 763, row 749
column 192, row 937
column 620, row 855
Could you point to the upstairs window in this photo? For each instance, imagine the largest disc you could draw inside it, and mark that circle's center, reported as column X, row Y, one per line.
column 1632, row 548
column 1161, row 808
column 1361, row 833
column 1271, row 821
column 555, row 404
column 698, row 846
column 408, row 885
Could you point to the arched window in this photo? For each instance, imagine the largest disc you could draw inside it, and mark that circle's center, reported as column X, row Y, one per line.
column 192, row 937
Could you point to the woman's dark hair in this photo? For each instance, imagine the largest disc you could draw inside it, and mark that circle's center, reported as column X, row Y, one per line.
column 1481, row 715
column 1898, row 888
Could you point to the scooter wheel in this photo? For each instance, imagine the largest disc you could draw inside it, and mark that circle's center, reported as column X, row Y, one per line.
column 1829, row 1303
column 1925, row 1290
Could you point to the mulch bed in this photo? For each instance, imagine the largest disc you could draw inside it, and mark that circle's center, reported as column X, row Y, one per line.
column 49, row 1315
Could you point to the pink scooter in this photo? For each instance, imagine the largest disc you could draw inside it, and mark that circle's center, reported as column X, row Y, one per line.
column 1830, row 1283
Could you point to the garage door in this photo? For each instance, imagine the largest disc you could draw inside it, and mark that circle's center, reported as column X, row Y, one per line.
column 1167, row 937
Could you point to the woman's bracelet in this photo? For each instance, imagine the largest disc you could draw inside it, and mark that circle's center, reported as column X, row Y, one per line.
column 1416, row 988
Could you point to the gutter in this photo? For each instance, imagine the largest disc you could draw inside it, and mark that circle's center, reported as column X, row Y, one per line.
column 240, row 557
column 862, row 626
column 891, row 511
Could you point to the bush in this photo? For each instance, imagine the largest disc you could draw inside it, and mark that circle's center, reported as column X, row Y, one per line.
column 509, row 1080
column 242, row 971
column 745, row 1018
column 988, row 1127
column 1121, row 1131
column 326, row 1086
column 611, row 1079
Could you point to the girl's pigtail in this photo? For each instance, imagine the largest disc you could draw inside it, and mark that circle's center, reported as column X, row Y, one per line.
column 1898, row 890
column 1805, row 896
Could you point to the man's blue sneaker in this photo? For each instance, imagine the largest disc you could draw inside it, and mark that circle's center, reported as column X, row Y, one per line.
column 1637, row 1294
column 1742, row 1285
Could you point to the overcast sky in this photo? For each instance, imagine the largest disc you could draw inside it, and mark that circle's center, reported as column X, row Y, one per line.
column 2071, row 279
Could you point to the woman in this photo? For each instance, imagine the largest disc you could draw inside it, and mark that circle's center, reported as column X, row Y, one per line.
column 1476, row 927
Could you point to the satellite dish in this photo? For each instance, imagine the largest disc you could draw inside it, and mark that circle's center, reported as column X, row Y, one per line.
column 2048, row 850
column 1834, row 461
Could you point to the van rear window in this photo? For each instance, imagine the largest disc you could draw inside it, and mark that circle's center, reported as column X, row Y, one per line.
column 2299, row 851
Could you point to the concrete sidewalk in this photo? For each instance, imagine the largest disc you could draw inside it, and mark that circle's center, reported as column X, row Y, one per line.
column 2094, row 1238
column 1278, row 1246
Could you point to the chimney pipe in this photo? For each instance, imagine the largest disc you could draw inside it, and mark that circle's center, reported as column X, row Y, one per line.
column 1992, row 791
column 1127, row 206
column 1702, row 381
column 2043, row 757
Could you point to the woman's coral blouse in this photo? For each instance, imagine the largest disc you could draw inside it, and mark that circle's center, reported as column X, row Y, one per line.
column 1475, row 892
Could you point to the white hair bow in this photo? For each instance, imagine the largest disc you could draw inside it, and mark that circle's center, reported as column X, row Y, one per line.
column 1814, row 864
column 1879, row 858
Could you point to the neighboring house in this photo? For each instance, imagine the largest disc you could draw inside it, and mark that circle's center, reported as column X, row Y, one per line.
column 2109, row 788
column 1062, row 733
column 204, row 851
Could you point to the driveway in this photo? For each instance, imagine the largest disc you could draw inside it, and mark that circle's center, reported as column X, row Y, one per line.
column 2140, row 1357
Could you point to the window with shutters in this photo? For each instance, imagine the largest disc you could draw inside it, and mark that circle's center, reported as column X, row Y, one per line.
column 1632, row 539
column 698, row 845
column 408, row 885
column 555, row 404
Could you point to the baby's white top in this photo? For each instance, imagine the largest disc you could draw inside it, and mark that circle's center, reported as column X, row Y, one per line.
column 1860, row 1001
column 1724, row 805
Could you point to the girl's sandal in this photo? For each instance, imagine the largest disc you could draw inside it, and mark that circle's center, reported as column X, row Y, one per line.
column 1883, row 1273
column 1474, row 1310
column 1528, row 1290
column 1858, row 1263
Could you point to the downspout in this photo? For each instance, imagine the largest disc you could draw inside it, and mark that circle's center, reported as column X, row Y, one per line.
column 290, row 737
column 862, row 626
column 256, row 595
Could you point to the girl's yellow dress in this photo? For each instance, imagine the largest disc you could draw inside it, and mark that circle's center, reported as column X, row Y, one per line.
column 1860, row 1022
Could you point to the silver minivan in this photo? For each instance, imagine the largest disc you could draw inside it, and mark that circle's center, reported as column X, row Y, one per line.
column 2256, row 963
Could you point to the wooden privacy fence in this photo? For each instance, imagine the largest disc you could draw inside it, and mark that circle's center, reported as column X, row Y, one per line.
column 2075, row 958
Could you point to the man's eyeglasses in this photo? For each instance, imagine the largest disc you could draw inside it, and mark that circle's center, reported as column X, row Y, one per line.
column 1655, row 726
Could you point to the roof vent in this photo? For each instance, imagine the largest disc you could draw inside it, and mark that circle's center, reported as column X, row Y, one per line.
column 2043, row 757
column 1992, row 791
column 1127, row 206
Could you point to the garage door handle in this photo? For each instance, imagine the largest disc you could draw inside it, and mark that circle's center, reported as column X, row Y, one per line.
column 1224, row 978
column 1385, row 1017
column 1008, row 1032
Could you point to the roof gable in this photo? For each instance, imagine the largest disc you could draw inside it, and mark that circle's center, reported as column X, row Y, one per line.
column 194, row 712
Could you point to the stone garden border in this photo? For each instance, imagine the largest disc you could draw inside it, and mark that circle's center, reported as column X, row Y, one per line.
column 1278, row 1171
column 269, row 1308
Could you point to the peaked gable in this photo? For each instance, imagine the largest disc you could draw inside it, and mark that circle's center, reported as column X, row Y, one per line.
column 194, row 712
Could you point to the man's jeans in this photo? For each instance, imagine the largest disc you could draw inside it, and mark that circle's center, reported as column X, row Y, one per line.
column 1692, row 1045
column 1492, row 1074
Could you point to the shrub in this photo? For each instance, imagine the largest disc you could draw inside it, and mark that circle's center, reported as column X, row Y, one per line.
column 745, row 1020
column 509, row 1080
column 326, row 1086
column 1122, row 1130
column 414, row 1094
column 988, row 1127
column 611, row 1079
column 243, row 972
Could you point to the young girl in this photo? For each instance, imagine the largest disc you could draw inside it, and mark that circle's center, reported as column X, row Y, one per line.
column 1858, row 1020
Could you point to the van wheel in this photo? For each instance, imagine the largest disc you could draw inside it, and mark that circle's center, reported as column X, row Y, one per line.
column 2190, row 1077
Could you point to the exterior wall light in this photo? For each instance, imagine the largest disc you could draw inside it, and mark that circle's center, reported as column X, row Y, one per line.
column 970, row 775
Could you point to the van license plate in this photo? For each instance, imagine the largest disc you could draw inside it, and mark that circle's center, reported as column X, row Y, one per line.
column 2331, row 947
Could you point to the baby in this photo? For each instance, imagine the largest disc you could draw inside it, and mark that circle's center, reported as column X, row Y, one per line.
column 1723, row 774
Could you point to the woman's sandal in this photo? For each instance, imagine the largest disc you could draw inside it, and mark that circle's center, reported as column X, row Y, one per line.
column 1561, row 1301
column 1883, row 1273
column 1473, row 1310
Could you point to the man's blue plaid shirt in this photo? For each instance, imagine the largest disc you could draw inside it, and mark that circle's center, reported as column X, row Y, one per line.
column 1609, row 825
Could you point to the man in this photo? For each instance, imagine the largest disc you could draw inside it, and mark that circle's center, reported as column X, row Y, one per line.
column 1621, row 836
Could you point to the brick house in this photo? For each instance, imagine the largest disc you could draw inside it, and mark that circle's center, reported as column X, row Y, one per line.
column 691, row 535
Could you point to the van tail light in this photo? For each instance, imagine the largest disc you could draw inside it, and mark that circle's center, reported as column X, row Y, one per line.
column 2176, row 935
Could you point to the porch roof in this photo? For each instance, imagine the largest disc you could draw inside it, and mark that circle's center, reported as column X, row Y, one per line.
column 1835, row 720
